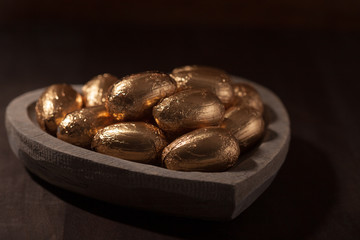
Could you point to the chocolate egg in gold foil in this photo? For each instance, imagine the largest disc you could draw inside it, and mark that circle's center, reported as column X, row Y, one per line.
column 210, row 149
column 188, row 110
column 95, row 90
column 213, row 79
column 54, row 103
column 246, row 124
column 79, row 127
column 246, row 95
column 134, row 141
column 133, row 97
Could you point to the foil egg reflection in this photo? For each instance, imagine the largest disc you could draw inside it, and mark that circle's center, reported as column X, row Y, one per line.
column 134, row 141
column 188, row 110
column 79, row 127
column 54, row 103
column 133, row 97
column 209, row 149
column 201, row 77
column 95, row 91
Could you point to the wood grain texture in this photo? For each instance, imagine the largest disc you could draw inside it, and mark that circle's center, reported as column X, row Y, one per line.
column 127, row 183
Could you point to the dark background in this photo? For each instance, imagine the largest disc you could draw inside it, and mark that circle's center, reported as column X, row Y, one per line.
column 307, row 52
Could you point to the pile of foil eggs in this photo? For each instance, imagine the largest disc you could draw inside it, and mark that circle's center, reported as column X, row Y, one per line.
column 193, row 119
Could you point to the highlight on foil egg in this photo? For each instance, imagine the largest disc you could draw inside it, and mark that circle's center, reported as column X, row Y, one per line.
column 95, row 91
column 133, row 97
column 54, row 103
column 134, row 141
column 210, row 149
column 246, row 95
column 202, row 77
column 188, row 110
column 79, row 127
column 246, row 124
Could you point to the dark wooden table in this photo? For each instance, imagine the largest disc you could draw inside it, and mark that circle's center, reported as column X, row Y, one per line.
column 316, row 194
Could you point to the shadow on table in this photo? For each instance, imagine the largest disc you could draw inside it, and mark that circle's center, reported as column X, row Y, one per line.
column 296, row 204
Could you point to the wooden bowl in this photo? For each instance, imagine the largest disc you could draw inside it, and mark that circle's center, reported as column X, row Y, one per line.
column 213, row 196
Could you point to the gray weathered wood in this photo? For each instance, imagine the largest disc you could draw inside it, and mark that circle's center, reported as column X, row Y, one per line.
column 215, row 196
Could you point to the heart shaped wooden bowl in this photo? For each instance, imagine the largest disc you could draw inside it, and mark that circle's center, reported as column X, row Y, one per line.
column 212, row 196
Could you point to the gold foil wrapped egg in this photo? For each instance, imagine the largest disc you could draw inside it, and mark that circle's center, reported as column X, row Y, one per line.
column 246, row 95
column 95, row 90
column 188, row 110
column 79, row 127
column 134, row 141
column 133, row 97
column 54, row 103
column 209, row 149
column 213, row 79
column 246, row 124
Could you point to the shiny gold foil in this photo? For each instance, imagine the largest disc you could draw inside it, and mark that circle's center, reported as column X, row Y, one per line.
column 134, row 141
column 133, row 97
column 53, row 105
column 79, row 127
column 95, row 90
column 188, row 110
column 213, row 79
column 209, row 149
column 246, row 95
column 246, row 124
